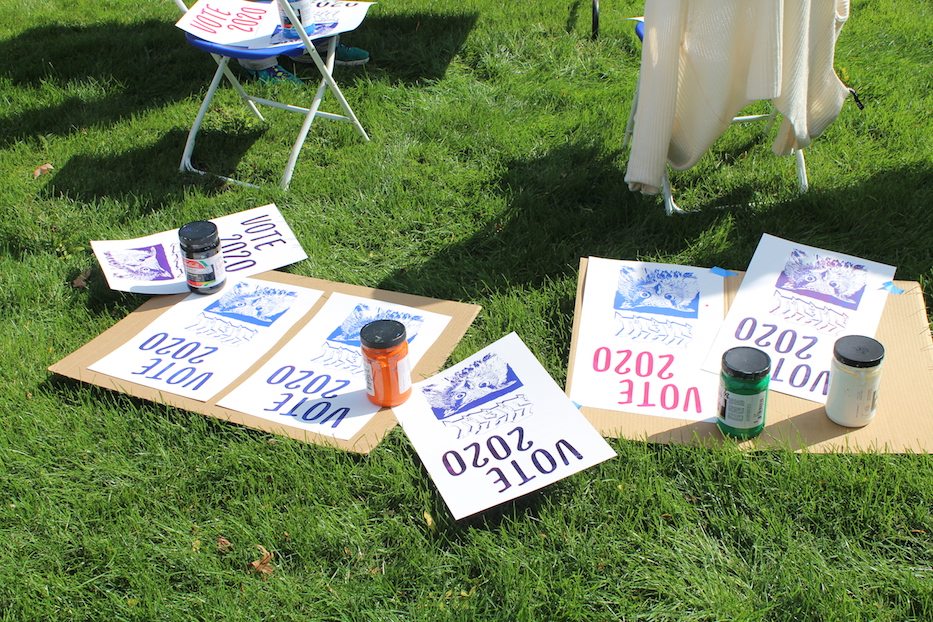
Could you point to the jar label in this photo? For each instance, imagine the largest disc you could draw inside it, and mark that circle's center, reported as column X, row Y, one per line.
column 204, row 272
column 404, row 374
column 370, row 369
column 742, row 411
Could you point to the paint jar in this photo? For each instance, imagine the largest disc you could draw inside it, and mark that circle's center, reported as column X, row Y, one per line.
column 302, row 9
column 743, row 392
column 853, row 380
column 385, row 362
column 204, row 262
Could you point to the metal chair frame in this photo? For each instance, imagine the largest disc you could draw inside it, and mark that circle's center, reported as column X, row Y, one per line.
column 222, row 55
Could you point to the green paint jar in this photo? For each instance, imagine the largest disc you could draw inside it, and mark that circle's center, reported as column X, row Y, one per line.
column 743, row 392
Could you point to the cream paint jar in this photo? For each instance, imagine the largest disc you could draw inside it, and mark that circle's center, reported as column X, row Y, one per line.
column 853, row 380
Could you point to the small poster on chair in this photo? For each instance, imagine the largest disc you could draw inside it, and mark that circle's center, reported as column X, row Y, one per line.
column 255, row 24
column 252, row 241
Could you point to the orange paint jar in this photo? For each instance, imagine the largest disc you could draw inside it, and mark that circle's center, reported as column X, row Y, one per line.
column 385, row 362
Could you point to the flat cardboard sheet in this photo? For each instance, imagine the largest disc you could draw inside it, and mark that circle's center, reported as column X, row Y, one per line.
column 76, row 364
column 903, row 422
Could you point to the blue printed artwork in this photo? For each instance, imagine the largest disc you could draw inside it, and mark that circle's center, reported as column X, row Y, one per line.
column 148, row 263
column 258, row 305
column 658, row 292
column 827, row 279
column 486, row 380
column 341, row 350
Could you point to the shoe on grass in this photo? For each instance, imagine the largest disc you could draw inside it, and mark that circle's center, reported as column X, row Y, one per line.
column 344, row 55
column 274, row 75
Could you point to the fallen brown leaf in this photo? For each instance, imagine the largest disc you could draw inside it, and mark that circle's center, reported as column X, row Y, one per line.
column 81, row 281
column 45, row 168
column 262, row 565
column 224, row 545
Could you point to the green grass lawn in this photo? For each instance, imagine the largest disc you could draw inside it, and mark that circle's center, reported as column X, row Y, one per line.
column 495, row 164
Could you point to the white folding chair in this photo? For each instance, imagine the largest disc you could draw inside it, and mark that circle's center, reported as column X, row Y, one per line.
column 222, row 55
column 670, row 207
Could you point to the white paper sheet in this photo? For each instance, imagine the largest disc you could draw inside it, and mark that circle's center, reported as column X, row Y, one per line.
column 316, row 381
column 793, row 304
column 644, row 332
column 255, row 24
column 203, row 343
column 252, row 241
column 496, row 427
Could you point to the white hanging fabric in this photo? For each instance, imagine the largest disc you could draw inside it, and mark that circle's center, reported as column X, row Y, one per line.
column 705, row 60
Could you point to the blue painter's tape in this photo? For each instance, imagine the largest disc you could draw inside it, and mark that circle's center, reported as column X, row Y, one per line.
column 891, row 287
column 722, row 272
column 579, row 406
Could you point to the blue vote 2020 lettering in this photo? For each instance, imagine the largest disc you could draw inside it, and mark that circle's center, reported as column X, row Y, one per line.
column 178, row 351
column 787, row 341
column 500, row 449
column 240, row 247
column 314, row 409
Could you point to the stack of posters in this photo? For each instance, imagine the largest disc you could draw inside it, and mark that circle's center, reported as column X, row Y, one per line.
column 256, row 24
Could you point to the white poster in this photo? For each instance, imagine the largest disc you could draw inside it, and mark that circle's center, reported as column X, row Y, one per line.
column 793, row 304
column 252, row 241
column 496, row 427
column 644, row 332
column 255, row 24
column 205, row 342
column 316, row 381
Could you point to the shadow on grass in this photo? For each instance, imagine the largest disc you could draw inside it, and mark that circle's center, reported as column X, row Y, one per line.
column 107, row 72
column 573, row 202
column 114, row 71
column 411, row 48
column 155, row 168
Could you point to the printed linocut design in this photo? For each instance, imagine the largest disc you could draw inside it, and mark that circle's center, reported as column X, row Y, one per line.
column 478, row 398
column 341, row 350
column 148, row 263
column 828, row 279
column 817, row 291
column 239, row 314
column 658, row 292
column 645, row 295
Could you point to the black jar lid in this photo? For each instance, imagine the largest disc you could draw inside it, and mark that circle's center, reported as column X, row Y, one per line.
column 858, row 351
column 747, row 363
column 198, row 234
column 382, row 334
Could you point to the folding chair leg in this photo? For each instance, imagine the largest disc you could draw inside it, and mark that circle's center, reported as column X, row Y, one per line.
column 669, row 206
column 186, row 165
column 801, row 170
column 630, row 126
column 239, row 88
column 309, row 118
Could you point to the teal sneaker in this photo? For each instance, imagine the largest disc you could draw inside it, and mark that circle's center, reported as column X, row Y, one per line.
column 344, row 55
column 274, row 75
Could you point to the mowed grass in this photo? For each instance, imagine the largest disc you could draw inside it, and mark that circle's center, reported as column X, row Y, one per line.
column 495, row 165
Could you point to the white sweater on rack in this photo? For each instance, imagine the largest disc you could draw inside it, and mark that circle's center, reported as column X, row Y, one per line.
column 704, row 60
